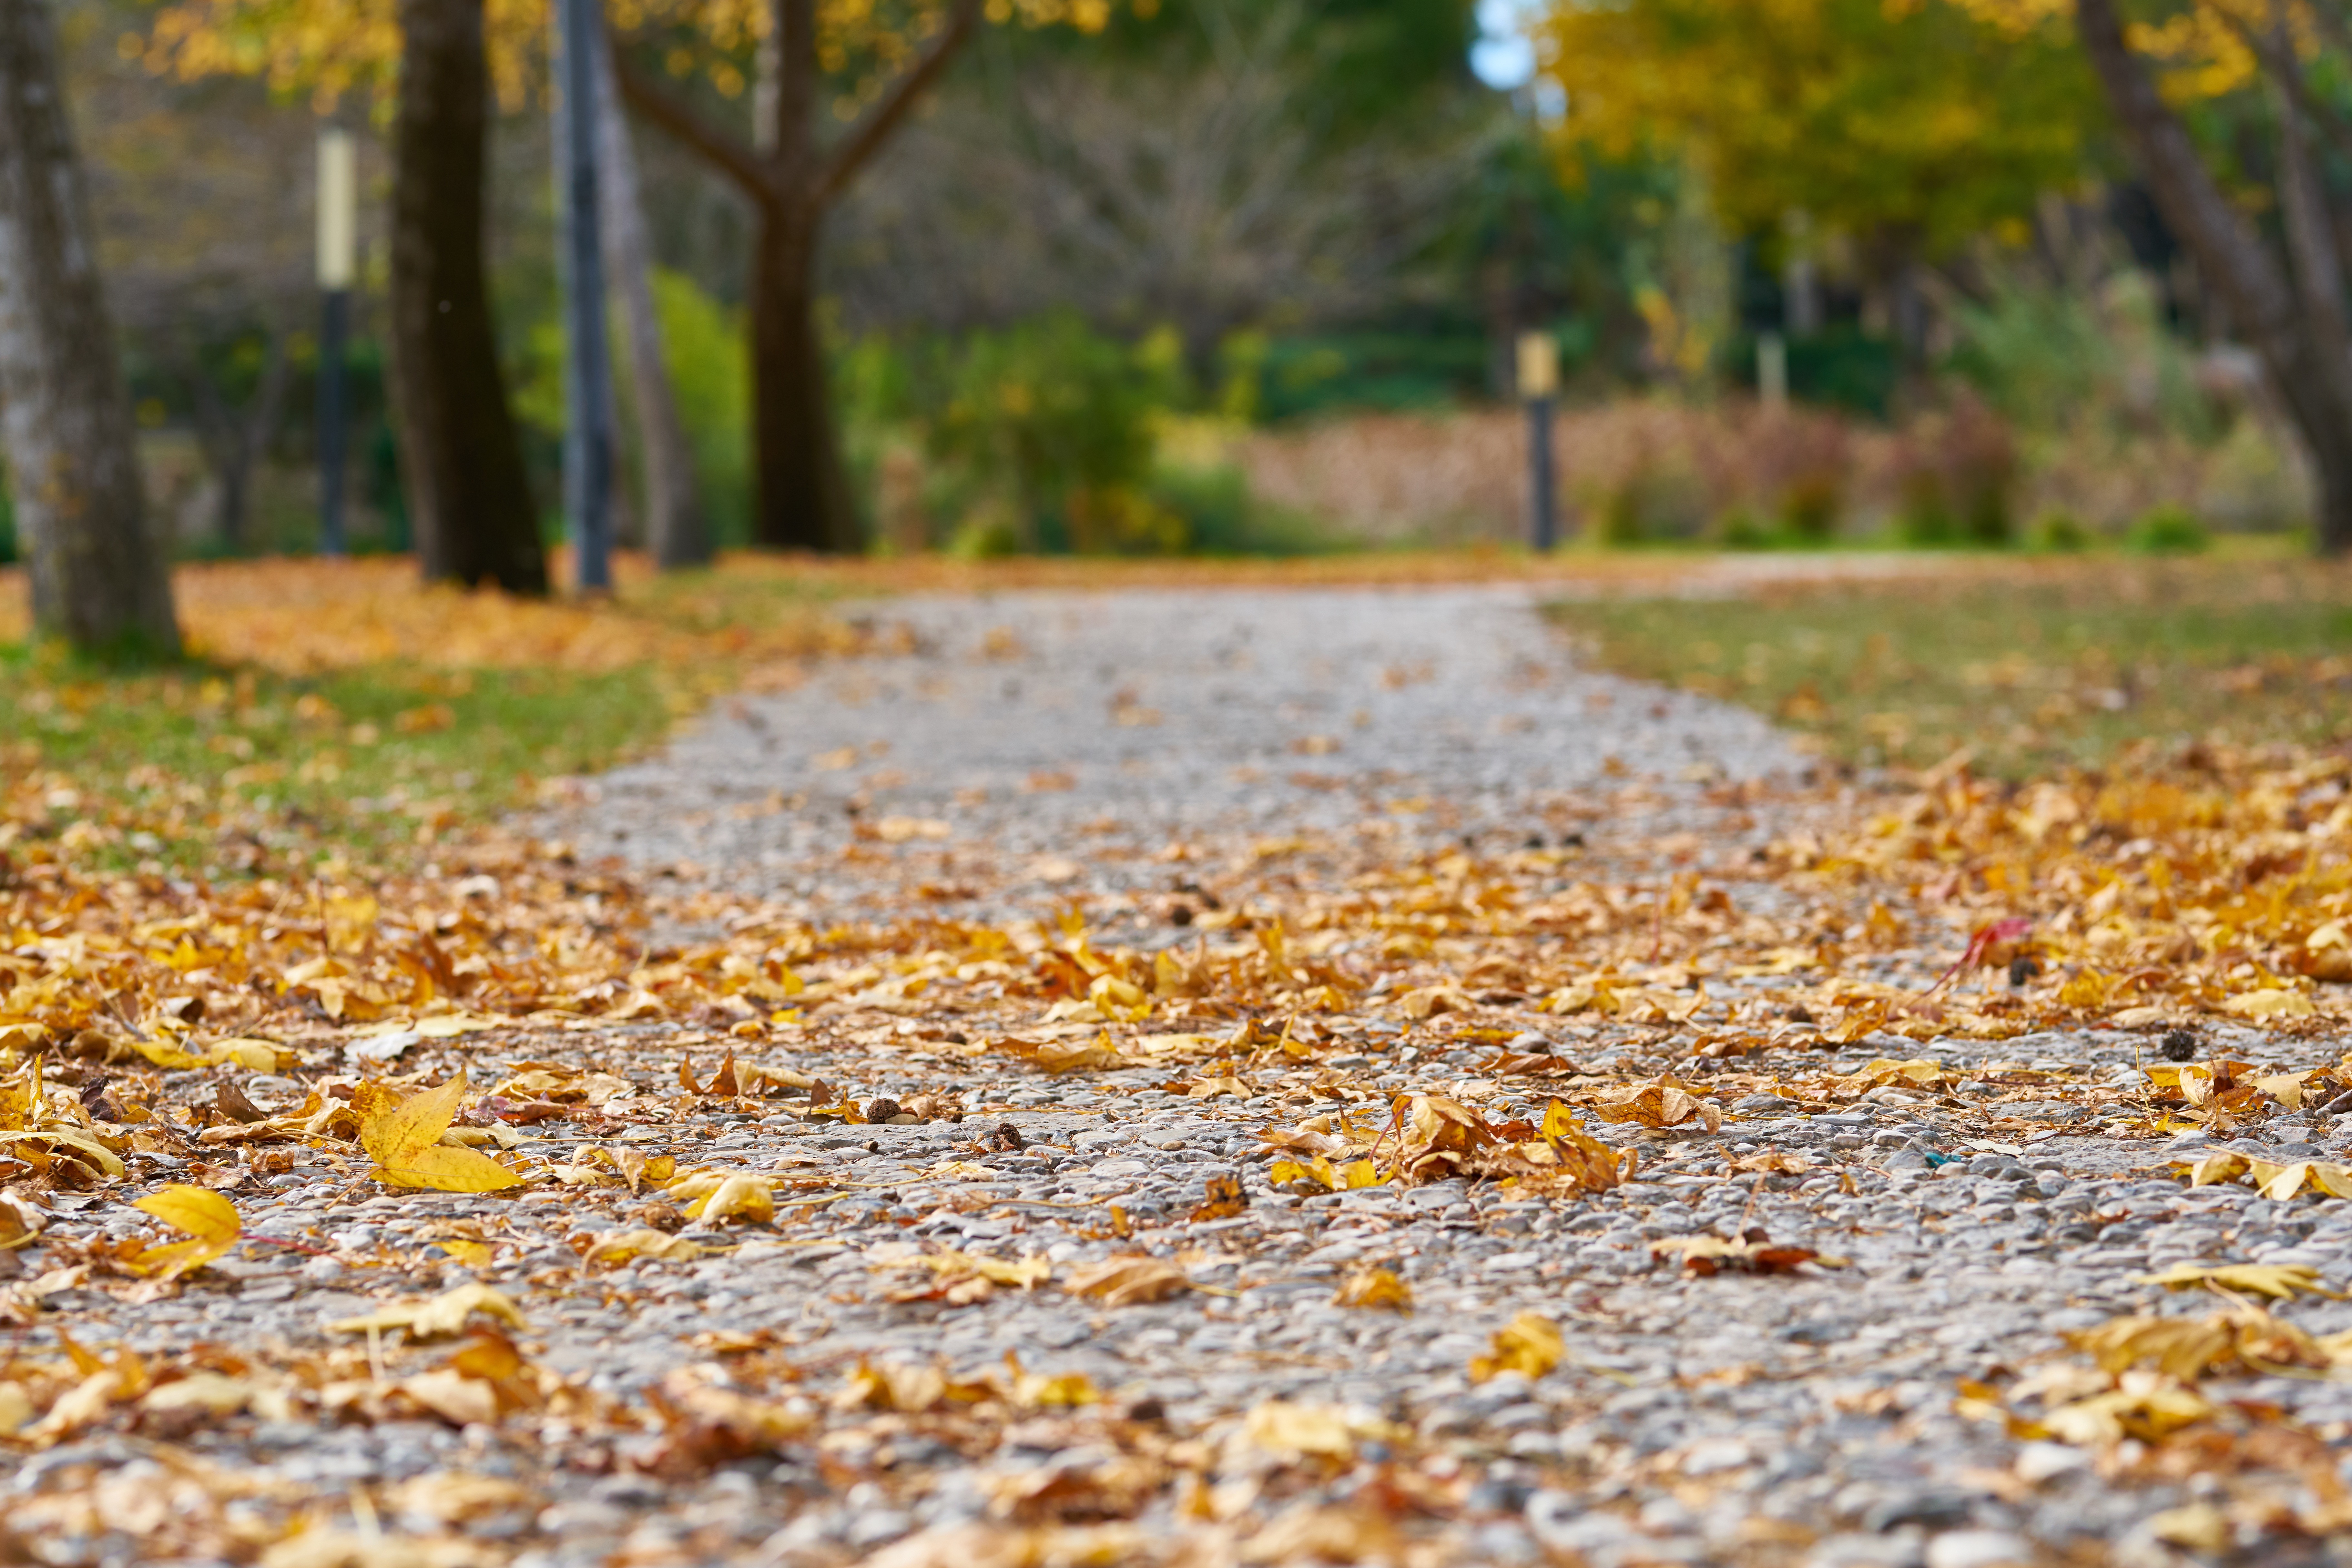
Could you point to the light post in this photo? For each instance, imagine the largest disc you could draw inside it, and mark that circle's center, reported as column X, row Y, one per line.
column 1538, row 381
column 588, row 377
column 337, row 207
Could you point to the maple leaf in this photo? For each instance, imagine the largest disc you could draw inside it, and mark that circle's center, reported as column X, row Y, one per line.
column 713, row 1195
column 209, row 1220
column 1530, row 1344
column 1292, row 1431
column 2279, row 1281
column 621, row 1246
column 1126, row 1280
column 436, row 1317
column 1222, row 1200
column 1374, row 1288
column 404, row 1140
column 1710, row 1254
column 1664, row 1103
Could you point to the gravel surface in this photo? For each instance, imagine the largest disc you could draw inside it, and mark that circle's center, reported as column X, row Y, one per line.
column 1080, row 727
column 1029, row 751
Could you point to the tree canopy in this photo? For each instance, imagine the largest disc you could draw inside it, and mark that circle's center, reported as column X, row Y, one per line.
column 1914, row 116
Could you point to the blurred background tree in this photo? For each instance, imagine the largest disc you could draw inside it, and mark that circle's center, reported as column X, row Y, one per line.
column 1287, row 247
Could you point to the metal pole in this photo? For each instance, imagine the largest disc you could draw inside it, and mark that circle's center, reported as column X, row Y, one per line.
column 337, row 211
column 1542, row 498
column 588, row 364
column 1538, row 380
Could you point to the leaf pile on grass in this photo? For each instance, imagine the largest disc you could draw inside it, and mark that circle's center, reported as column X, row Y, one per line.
column 340, row 709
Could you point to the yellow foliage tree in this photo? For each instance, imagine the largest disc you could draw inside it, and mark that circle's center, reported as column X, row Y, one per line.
column 1907, row 118
column 835, row 79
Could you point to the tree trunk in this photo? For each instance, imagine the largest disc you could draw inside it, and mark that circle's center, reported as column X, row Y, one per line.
column 791, row 177
column 801, row 498
column 2312, row 376
column 100, row 576
column 672, row 512
column 460, row 458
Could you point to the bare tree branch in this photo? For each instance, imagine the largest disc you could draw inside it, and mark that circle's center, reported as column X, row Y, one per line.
column 724, row 150
column 852, row 151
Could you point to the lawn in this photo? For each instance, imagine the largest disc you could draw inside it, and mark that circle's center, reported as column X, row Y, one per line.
column 2032, row 665
column 339, row 711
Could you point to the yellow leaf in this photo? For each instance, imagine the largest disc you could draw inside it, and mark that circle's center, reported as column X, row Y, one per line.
column 1123, row 1280
column 737, row 1196
column 1374, row 1288
column 438, row 1316
column 621, row 1246
column 209, row 1219
column 447, row 1170
column 1529, row 1343
column 2280, row 1282
column 1039, row 1390
column 404, row 1140
column 82, row 1147
column 1292, row 1431
column 2268, row 1002
column 2199, row 1527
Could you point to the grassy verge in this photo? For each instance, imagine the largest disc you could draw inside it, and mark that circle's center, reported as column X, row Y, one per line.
column 2034, row 666
column 339, row 711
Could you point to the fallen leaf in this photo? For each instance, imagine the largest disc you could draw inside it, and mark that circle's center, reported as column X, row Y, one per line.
column 2279, row 1281
column 209, row 1220
column 1530, row 1344
column 1374, row 1288
column 1127, row 1279
column 403, row 1139
column 436, row 1317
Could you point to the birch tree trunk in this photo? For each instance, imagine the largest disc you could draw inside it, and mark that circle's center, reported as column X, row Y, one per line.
column 100, row 576
column 672, row 510
column 460, row 457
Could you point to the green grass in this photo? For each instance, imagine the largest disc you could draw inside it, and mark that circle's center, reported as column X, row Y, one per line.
column 193, row 768
column 2034, row 666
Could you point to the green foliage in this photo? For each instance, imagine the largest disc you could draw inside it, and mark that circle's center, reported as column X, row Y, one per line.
column 709, row 364
column 2100, row 359
column 1047, row 426
column 2168, row 530
column 1657, row 503
column 2058, row 533
column 1307, row 374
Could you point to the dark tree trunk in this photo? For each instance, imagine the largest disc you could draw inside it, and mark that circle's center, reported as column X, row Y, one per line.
column 100, row 576
column 2309, row 363
column 460, row 458
column 802, row 499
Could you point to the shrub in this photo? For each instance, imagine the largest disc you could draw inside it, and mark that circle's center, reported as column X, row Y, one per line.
column 2059, row 533
column 1052, row 423
column 1740, row 529
column 1810, row 508
column 709, row 364
column 2168, row 530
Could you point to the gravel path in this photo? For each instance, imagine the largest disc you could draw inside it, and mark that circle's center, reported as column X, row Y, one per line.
column 1029, row 725
column 1136, row 753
